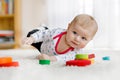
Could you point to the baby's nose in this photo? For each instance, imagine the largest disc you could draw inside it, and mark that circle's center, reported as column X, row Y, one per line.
column 78, row 38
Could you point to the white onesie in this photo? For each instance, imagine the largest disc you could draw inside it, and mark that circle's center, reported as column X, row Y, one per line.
column 50, row 39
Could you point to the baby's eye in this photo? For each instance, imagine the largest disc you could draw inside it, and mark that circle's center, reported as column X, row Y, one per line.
column 84, row 38
column 74, row 32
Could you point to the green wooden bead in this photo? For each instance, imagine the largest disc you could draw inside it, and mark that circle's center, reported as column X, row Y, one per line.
column 81, row 56
column 44, row 62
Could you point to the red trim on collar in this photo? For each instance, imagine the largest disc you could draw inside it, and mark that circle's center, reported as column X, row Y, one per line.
column 59, row 37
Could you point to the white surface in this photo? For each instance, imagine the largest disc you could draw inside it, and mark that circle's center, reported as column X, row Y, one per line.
column 30, row 69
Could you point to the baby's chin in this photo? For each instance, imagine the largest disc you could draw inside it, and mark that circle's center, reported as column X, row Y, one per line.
column 76, row 47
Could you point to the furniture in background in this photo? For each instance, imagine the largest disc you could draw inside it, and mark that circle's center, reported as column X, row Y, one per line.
column 10, row 24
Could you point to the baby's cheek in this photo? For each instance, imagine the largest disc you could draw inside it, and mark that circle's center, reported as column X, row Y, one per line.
column 82, row 45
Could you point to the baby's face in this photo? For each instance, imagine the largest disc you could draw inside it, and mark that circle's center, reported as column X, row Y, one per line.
column 77, row 36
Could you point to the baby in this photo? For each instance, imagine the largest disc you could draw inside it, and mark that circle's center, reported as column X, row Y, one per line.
column 63, row 44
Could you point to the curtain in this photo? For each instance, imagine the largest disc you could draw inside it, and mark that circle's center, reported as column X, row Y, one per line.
column 106, row 12
column 61, row 12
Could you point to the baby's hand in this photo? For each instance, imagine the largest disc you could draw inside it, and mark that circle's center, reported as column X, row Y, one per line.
column 28, row 40
column 43, row 57
column 46, row 57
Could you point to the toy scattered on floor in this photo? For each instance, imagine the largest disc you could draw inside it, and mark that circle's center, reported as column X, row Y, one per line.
column 78, row 62
column 84, row 56
column 92, row 60
column 14, row 64
column 4, row 60
column 107, row 58
column 81, row 60
column 44, row 62
column 8, row 62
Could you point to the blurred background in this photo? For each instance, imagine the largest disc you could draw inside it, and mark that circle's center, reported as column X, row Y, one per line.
column 58, row 13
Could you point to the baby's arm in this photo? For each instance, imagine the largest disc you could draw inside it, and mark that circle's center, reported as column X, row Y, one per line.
column 67, row 56
column 46, row 57
column 63, row 57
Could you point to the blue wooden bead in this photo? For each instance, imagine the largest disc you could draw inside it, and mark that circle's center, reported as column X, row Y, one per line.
column 106, row 58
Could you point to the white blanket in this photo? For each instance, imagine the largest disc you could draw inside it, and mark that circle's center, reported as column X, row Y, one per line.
column 30, row 69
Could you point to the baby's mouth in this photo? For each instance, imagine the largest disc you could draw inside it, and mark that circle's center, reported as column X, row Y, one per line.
column 75, row 43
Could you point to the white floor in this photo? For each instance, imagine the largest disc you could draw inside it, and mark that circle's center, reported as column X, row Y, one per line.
column 30, row 69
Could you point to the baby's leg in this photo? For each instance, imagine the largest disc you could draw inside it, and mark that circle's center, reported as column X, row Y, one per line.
column 38, row 44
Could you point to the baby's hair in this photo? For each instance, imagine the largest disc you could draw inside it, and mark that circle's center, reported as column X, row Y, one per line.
column 85, row 21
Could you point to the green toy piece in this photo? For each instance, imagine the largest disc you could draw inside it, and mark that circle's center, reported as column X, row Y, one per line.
column 85, row 56
column 44, row 62
column 81, row 56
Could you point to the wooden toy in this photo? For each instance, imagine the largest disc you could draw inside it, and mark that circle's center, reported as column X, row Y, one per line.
column 14, row 64
column 78, row 62
column 106, row 58
column 44, row 62
column 4, row 60
column 81, row 60
column 84, row 56
column 7, row 62
column 92, row 60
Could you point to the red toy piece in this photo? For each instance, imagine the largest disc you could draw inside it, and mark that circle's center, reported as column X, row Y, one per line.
column 78, row 62
column 14, row 64
column 7, row 62
column 91, row 56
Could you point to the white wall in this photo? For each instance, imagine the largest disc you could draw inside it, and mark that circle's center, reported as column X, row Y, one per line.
column 108, row 18
column 33, row 14
column 60, row 12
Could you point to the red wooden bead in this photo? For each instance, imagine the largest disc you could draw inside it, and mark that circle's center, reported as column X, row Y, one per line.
column 14, row 64
column 78, row 62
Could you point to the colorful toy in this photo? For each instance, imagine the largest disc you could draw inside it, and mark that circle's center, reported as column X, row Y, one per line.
column 7, row 62
column 84, row 56
column 44, row 62
column 81, row 60
column 92, row 60
column 78, row 62
column 4, row 60
column 14, row 64
column 106, row 58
